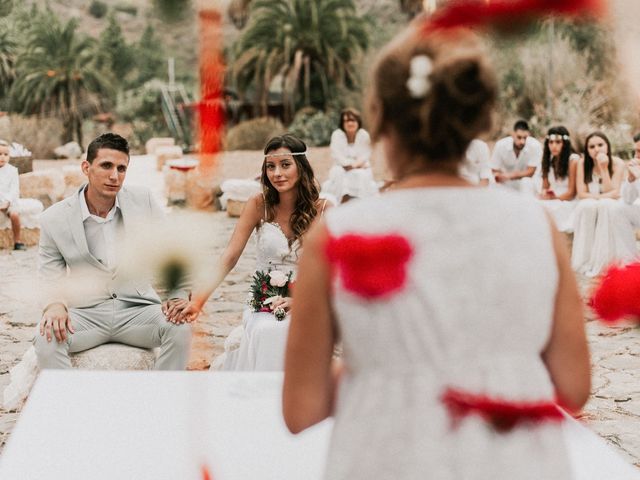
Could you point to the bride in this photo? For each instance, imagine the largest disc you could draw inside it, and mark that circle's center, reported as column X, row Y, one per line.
column 280, row 216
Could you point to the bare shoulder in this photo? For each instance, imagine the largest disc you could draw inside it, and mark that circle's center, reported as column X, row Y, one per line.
column 255, row 205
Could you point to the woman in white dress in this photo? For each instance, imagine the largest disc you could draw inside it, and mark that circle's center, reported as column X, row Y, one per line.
column 279, row 217
column 559, row 166
column 441, row 345
column 603, row 232
column 350, row 146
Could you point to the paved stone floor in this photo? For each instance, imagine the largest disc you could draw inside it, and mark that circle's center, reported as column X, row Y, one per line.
column 613, row 410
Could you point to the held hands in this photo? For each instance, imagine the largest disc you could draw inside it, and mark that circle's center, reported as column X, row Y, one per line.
column 56, row 318
column 178, row 310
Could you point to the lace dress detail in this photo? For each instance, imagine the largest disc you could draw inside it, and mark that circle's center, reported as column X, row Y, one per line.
column 259, row 343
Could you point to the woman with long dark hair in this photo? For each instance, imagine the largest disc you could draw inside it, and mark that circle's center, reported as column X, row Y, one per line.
column 603, row 232
column 279, row 216
column 559, row 166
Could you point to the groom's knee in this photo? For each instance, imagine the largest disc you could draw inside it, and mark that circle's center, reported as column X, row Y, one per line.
column 178, row 335
column 49, row 352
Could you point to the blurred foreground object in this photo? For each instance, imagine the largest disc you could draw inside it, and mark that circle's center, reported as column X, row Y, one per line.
column 617, row 296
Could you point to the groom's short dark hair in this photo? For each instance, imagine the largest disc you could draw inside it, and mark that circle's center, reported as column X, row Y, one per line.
column 112, row 141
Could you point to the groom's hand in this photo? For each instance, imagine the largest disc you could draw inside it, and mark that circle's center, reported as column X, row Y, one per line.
column 56, row 318
column 173, row 309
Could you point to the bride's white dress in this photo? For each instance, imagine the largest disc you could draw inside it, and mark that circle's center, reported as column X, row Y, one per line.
column 474, row 313
column 259, row 343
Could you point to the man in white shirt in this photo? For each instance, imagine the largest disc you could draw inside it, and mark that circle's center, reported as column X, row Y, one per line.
column 78, row 239
column 475, row 167
column 631, row 186
column 516, row 158
column 9, row 194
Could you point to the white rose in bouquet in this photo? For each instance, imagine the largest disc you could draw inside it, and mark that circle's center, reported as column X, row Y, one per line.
column 278, row 278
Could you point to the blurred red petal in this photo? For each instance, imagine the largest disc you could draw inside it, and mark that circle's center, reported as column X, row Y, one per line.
column 618, row 294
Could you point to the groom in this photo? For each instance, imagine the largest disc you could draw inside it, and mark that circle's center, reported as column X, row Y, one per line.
column 78, row 240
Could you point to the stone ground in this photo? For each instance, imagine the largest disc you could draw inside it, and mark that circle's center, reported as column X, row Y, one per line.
column 613, row 410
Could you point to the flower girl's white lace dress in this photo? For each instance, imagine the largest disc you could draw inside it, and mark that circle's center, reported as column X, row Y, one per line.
column 444, row 299
column 259, row 343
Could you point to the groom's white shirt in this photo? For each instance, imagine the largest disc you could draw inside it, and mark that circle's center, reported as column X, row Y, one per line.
column 64, row 247
column 101, row 232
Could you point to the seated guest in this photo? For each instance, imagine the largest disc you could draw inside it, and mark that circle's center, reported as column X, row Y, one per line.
column 603, row 232
column 475, row 166
column 350, row 146
column 631, row 185
column 559, row 166
column 9, row 193
column 515, row 159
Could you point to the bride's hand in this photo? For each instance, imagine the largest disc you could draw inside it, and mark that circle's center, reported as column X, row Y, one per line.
column 187, row 314
column 282, row 302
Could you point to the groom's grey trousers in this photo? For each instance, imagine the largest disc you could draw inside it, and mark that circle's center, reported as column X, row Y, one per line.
column 140, row 325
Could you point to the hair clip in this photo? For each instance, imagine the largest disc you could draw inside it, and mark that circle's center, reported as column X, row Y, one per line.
column 282, row 154
column 418, row 83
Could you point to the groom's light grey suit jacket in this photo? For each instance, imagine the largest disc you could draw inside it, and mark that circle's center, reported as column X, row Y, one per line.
column 63, row 248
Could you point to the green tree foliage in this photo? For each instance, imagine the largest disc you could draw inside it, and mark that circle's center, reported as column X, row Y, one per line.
column 7, row 61
column 5, row 7
column 57, row 74
column 149, row 56
column 115, row 54
column 310, row 46
column 98, row 9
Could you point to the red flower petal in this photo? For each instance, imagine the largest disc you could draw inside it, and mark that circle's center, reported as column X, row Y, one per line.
column 618, row 294
column 503, row 13
column 370, row 266
column 503, row 415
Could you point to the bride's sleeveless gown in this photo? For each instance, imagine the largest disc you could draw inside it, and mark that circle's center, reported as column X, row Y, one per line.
column 262, row 337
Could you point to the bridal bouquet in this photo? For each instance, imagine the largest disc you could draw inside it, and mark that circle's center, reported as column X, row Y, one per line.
column 267, row 287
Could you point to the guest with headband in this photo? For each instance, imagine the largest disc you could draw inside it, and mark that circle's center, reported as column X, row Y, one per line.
column 559, row 166
column 279, row 216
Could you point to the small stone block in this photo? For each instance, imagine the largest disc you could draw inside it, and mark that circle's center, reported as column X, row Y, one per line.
column 45, row 185
column 235, row 207
column 28, row 236
column 114, row 356
column 153, row 143
column 167, row 153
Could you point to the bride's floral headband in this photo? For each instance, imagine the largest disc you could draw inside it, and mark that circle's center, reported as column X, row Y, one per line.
column 557, row 136
column 418, row 83
column 283, row 154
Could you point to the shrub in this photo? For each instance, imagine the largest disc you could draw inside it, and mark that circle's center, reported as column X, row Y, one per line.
column 314, row 126
column 98, row 9
column 252, row 134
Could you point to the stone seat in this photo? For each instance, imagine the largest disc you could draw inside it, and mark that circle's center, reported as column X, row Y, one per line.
column 29, row 210
column 115, row 356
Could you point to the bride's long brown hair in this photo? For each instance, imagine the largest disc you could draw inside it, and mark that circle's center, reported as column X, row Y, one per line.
column 305, row 209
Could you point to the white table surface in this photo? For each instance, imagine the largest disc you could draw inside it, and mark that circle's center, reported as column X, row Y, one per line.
column 94, row 425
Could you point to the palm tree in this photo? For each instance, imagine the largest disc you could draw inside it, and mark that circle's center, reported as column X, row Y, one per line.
column 310, row 45
column 7, row 62
column 57, row 75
